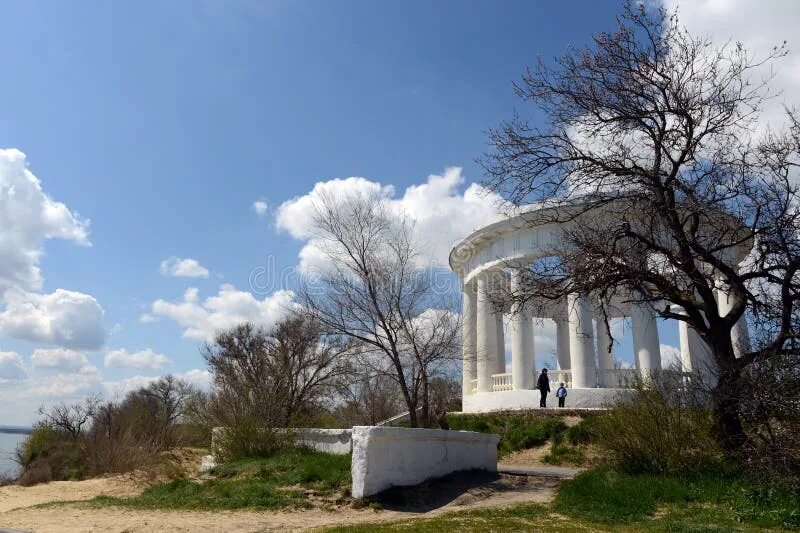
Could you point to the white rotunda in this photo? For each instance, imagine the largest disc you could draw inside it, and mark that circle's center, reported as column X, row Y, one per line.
column 488, row 264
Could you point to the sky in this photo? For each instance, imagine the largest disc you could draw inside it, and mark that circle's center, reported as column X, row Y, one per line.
column 158, row 158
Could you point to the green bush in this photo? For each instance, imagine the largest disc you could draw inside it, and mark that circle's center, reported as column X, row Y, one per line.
column 583, row 432
column 46, row 455
column 656, row 431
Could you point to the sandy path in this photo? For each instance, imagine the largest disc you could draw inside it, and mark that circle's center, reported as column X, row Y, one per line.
column 80, row 518
column 14, row 496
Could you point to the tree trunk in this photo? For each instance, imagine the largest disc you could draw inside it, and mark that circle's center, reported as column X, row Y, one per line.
column 727, row 396
column 426, row 411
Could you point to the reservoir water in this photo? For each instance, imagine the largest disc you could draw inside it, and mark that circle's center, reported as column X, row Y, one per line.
column 8, row 444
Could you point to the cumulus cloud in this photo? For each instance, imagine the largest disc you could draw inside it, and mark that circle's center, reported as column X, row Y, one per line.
column 230, row 307
column 441, row 214
column 670, row 357
column 63, row 318
column 59, row 359
column 260, row 207
column 11, row 367
column 760, row 27
column 115, row 389
column 67, row 386
column 183, row 268
column 143, row 359
column 27, row 217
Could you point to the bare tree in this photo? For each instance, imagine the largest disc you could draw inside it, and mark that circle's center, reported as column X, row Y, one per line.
column 366, row 399
column 652, row 148
column 70, row 419
column 375, row 291
column 278, row 376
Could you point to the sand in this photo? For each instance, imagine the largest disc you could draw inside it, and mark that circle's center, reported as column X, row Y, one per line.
column 457, row 492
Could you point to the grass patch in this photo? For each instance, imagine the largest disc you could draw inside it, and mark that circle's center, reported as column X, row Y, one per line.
column 517, row 432
column 562, row 454
column 517, row 518
column 606, row 496
column 606, row 500
column 280, row 480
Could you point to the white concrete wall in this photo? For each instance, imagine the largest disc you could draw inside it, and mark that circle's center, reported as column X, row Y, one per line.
column 487, row 402
column 333, row 441
column 385, row 457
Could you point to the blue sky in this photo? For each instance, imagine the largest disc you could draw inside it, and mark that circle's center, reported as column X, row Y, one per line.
column 163, row 122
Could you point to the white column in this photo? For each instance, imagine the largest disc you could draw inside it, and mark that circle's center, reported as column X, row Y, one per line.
column 581, row 342
column 646, row 345
column 500, row 353
column 485, row 335
column 562, row 343
column 740, row 336
column 686, row 349
column 522, row 355
column 605, row 357
column 469, row 314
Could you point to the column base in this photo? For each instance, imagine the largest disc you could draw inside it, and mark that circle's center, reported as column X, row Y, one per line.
column 487, row 402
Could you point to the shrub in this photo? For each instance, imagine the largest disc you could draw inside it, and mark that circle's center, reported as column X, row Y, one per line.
column 656, row 430
column 517, row 431
column 246, row 437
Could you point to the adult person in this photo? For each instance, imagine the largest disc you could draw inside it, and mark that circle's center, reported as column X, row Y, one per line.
column 561, row 394
column 544, row 387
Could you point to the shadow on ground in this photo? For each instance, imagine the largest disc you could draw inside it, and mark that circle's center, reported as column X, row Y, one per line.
column 459, row 488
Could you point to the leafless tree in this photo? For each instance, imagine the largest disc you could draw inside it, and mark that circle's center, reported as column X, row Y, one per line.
column 366, row 399
column 653, row 145
column 376, row 291
column 70, row 419
column 278, row 376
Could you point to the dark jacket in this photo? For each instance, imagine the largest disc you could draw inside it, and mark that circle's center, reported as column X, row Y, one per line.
column 544, row 383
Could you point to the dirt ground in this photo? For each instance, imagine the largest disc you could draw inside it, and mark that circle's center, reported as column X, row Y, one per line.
column 466, row 490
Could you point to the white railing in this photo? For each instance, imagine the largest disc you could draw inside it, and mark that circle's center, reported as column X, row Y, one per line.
column 501, row 382
column 473, row 386
column 617, row 378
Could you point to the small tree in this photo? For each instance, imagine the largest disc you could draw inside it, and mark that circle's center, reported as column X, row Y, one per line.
column 279, row 377
column 376, row 292
column 651, row 144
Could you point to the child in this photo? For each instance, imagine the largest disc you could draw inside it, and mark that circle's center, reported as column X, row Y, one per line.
column 561, row 394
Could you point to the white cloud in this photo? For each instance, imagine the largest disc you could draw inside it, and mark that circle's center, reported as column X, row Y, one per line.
column 760, row 27
column 63, row 318
column 119, row 388
column 670, row 357
column 442, row 215
column 115, row 389
column 260, row 207
column 183, row 268
column 59, row 359
column 143, row 359
column 27, row 217
column 198, row 377
column 11, row 367
column 227, row 309
column 66, row 386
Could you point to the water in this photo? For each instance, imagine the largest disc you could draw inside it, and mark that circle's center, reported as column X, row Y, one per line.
column 8, row 444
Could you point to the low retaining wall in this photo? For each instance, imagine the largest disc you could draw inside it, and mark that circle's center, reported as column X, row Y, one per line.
column 334, row 441
column 385, row 457
column 486, row 402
